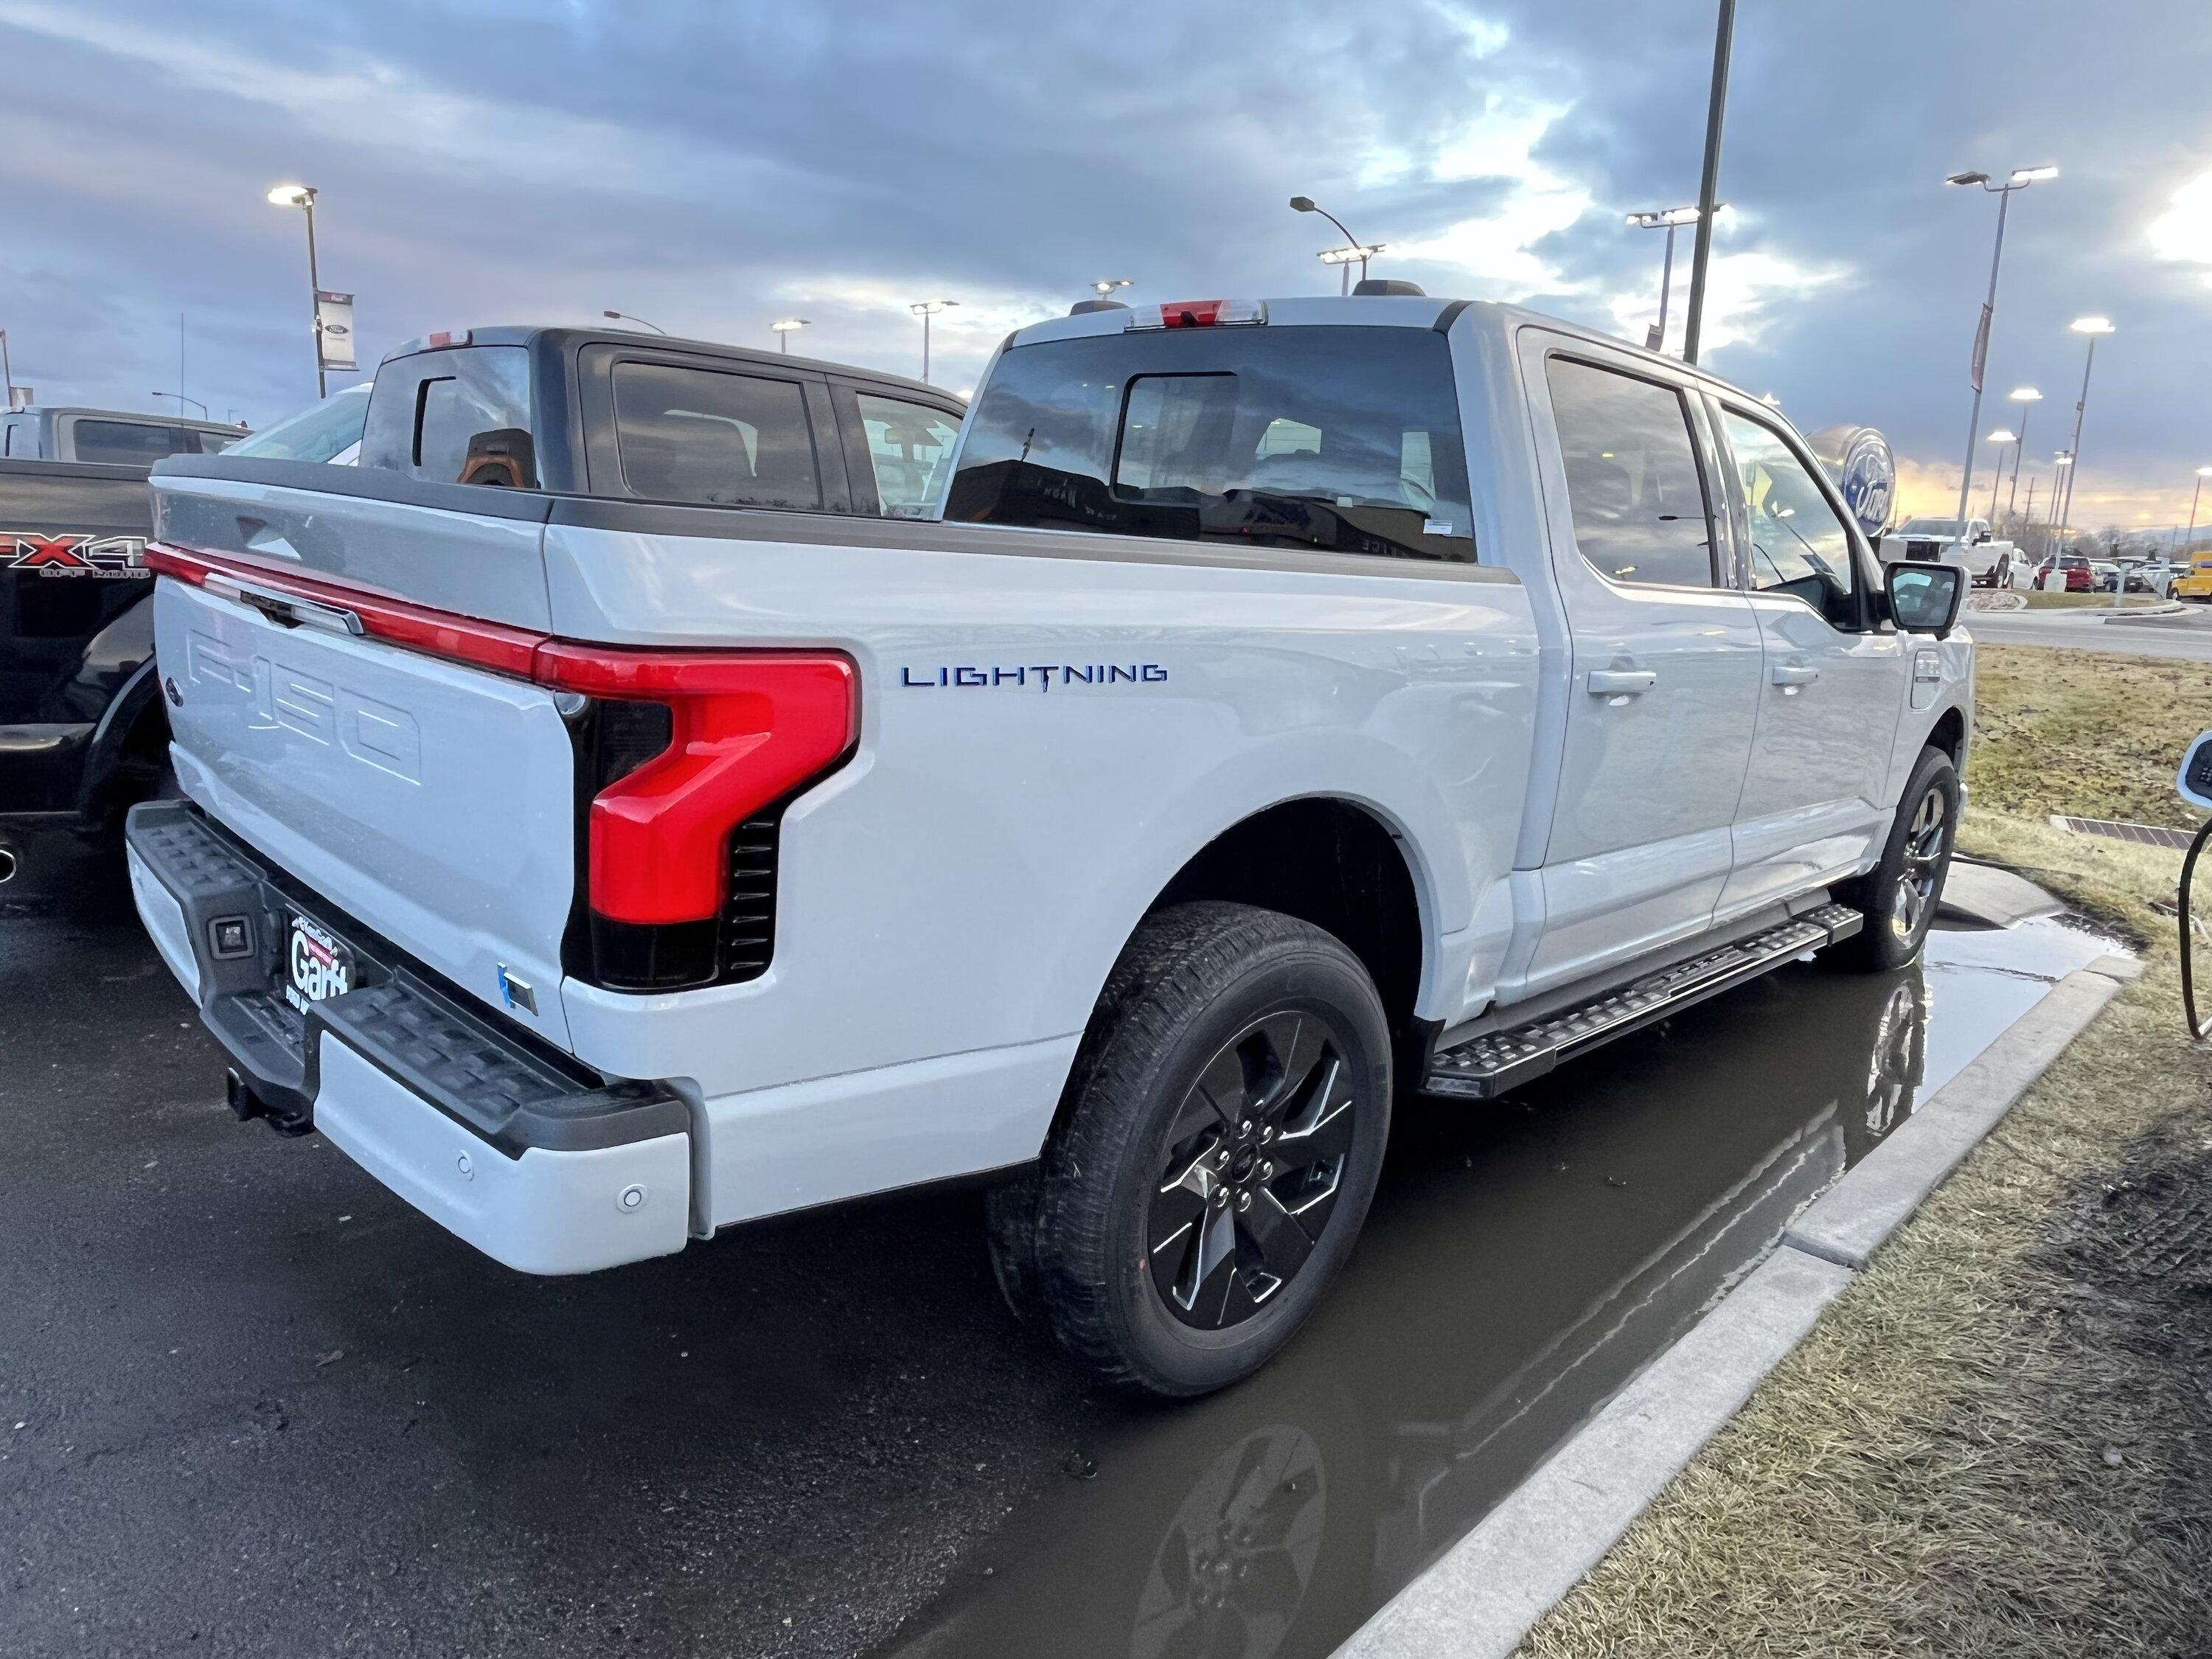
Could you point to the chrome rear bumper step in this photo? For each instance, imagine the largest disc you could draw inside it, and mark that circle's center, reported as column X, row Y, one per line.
column 1484, row 1066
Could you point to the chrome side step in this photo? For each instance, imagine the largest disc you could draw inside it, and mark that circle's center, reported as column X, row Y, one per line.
column 1487, row 1065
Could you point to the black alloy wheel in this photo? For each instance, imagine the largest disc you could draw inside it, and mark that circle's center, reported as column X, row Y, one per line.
column 1254, row 1162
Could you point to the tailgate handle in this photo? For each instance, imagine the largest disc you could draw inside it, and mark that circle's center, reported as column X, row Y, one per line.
column 286, row 609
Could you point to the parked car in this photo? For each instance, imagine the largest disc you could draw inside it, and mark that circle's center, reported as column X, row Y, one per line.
column 81, row 729
column 1968, row 544
column 108, row 437
column 2197, row 582
column 1244, row 737
column 2064, row 572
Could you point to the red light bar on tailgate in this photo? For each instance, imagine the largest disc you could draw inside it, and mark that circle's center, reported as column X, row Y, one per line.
column 1198, row 314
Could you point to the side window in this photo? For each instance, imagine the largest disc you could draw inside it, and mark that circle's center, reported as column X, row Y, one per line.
column 454, row 416
column 130, row 443
column 1798, row 544
column 698, row 435
column 1634, row 485
column 908, row 445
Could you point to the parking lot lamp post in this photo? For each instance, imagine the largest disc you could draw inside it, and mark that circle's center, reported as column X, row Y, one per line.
column 2000, row 438
column 624, row 317
column 1105, row 287
column 2093, row 327
column 1669, row 219
column 2020, row 179
column 2059, row 462
column 927, row 309
column 1353, row 248
column 181, row 401
column 303, row 197
column 2026, row 397
column 785, row 327
column 2202, row 473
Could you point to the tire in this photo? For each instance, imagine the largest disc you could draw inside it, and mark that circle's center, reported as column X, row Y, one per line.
column 1898, row 896
column 1172, row 1247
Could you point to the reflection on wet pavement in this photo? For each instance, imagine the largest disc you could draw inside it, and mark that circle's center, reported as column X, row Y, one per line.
column 1521, row 1263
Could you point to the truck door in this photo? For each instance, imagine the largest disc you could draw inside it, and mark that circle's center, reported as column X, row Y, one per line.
column 1833, row 687
column 1665, row 666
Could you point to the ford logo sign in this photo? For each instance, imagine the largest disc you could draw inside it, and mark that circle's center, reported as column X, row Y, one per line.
column 1864, row 468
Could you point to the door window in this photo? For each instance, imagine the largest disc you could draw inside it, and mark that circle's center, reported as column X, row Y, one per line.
column 698, row 434
column 908, row 445
column 1798, row 543
column 1633, row 486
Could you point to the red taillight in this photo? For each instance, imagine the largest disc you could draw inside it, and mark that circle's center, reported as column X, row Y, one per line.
column 747, row 728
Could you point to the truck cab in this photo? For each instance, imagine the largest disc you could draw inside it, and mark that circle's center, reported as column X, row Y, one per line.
column 108, row 437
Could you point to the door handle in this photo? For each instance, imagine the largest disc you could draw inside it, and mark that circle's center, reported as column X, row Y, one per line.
column 1793, row 673
column 1621, row 681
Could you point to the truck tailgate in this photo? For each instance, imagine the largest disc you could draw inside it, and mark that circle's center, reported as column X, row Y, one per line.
column 430, row 801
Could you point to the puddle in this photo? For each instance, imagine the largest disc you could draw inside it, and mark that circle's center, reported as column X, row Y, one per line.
column 1521, row 1263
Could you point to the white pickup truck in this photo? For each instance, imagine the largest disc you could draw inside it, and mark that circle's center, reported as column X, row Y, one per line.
column 1987, row 562
column 1293, row 704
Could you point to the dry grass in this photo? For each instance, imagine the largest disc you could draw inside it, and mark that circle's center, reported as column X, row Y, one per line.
column 2084, row 731
column 1999, row 1442
column 2038, row 601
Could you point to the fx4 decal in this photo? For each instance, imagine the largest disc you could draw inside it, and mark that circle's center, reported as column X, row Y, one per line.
column 109, row 558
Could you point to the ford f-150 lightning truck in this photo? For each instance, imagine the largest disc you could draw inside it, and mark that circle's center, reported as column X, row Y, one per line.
column 1282, row 708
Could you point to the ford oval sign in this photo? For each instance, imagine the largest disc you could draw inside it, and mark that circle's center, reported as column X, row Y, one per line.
column 1861, row 462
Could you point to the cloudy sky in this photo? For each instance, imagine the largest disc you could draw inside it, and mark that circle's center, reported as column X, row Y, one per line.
column 713, row 167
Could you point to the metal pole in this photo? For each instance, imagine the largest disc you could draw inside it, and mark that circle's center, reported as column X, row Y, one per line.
column 1982, row 328
column 2018, row 456
column 6, row 372
column 925, row 346
column 2027, row 518
column 2191, row 531
column 1710, row 179
column 1666, row 288
column 1996, row 479
column 314, row 289
column 2079, row 408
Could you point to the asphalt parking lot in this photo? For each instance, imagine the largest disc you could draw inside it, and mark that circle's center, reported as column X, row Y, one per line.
column 251, row 1404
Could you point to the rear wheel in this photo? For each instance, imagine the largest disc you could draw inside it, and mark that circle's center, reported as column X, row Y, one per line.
column 1220, row 1141
column 1899, row 895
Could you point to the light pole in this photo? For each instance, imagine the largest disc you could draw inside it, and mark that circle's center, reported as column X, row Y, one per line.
column 2020, row 179
column 2024, row 396
column 181, row 401
column 1709, row 180
column 2093, row 327
column 785, row 327
column 624, row 317
column 1353, row 249
column 2059, row 462
column 927, row 309
column 303, row 197
column 2202, row 473
column 2000, row 438
column 1669, row 219
column 1105, row 287
column 7, row 373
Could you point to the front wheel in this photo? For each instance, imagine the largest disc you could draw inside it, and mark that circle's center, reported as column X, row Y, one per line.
column 1899, row 895
column 1220, row 1139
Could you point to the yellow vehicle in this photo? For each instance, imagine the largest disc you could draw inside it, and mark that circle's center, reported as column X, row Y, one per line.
column 2196, row 582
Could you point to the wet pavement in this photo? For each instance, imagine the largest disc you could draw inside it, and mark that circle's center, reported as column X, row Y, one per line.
column 264, row 1408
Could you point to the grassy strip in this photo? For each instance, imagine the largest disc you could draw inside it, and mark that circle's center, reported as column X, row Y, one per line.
column 2084, row 731
column 2000, row 1440
column 2038, row 601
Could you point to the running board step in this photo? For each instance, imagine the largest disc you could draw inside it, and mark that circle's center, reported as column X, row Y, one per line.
column 1489, row 1065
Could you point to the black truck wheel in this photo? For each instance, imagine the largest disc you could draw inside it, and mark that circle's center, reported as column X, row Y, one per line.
column 1219, row 1145
column 1898, row 896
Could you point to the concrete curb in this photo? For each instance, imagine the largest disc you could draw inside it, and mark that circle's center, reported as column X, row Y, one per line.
column 2147, row 612
column 1480, row 1598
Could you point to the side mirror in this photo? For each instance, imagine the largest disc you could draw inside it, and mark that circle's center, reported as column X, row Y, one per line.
column 1983, row 537
column 1924, row 599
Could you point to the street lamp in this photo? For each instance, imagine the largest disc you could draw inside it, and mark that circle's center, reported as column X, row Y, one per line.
column 1353, row 249
column 624, row 317
column 2020, row 179
column 181, row 401
column 1669, row 218
column 2093, row 327
column 303, row 197
column 2024, row 396
column 1105, row 286
column 2059, row 462
column 2000, row 438
column 785, row 327
column 927, row 309
column 2202, row 473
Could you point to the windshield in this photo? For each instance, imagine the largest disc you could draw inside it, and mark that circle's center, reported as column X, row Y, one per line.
column 1341, row 439
column 320, row 432
column 1930, row 528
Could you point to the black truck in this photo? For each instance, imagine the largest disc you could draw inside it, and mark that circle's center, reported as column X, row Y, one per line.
column 574, row 412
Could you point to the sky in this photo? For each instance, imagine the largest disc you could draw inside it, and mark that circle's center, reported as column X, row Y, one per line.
column 714, row 166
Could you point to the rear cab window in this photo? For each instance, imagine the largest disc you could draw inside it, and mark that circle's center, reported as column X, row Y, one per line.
column 454, row 416
column 130, row 443
column 714, row 438
column 1342, row 440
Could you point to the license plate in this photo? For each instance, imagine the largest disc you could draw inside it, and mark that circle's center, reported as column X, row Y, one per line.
column 317, row 966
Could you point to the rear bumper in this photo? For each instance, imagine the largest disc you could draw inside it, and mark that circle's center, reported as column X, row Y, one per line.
column 538, row 1163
